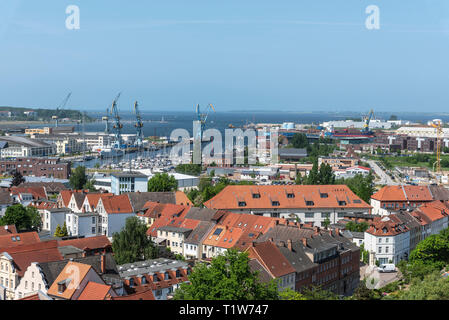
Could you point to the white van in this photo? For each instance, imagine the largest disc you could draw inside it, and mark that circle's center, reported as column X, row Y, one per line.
column 388, row 267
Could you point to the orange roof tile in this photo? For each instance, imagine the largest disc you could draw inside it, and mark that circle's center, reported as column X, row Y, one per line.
column 95, row 291
column 292, row 196
column 18, row 239
column 117, row 204
column 97, row 242
column 143, row 295
column 74, row 274
column 6, row 230
column 403, row 193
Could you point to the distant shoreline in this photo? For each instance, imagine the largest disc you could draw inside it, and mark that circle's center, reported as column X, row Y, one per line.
column 32, row 122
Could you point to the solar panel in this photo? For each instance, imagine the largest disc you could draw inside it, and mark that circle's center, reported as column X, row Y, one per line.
column 217, row 231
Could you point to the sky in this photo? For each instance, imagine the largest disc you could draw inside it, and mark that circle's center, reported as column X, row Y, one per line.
column 285, row 55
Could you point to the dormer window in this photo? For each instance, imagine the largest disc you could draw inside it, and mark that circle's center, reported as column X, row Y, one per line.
column 242, row 204
column 256, row 195
column 62, row 286
column 275, row 203
column 310, row 203
column 178, row 274
column 131, row 282
column 384, row 230
column 341, row 203
column 324, row 195
column 290, row 195
column 155, row 278
column 143, row 280
column 166, row 277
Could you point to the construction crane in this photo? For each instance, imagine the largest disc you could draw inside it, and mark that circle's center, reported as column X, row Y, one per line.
column 439, row 131
column 117, row 124
column 138, row 125
column 202, row 116
column 367, row 120
column 106, row 120
column 60, row 107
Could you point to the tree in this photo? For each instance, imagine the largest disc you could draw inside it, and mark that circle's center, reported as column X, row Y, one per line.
column 299, row 140
column 357, row 227
column 228, row 277
column 90, row 185
column 24, row 218
column 78, row 178
column 326, row 175
column 432, row 287
column 362, row 186
column 289, row 294
column 313, row 176
column 326, row 223
column 162, row 182
column 131, row 244
column 61, row 232
column 17, row 179
column 189, row 168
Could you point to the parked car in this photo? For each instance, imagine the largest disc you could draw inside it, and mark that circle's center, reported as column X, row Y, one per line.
column 388, row 267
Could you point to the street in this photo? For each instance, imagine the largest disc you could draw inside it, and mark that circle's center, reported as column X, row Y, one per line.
column 385, row 179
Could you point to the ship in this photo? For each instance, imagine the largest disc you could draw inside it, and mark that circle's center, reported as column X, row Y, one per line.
column 109, row 152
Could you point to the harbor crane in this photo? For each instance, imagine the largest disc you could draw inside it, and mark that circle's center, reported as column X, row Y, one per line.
column 118, row 126
column 439, row 130
column 202, row 116
column 138, row 125
column 60, row 107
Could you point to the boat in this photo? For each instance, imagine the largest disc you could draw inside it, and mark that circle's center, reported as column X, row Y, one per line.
column 109, row 152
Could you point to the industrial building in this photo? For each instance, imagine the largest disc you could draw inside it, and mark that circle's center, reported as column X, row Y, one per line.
column 38, row 167
column 16, row 146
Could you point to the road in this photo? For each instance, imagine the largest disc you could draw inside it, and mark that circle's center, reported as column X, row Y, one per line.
column 380, row 279
column 383, row 176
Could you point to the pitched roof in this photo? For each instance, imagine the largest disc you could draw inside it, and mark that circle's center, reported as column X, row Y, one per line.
column 51, row 187
column 24, row 255
column 139, row 199
column 202, row 214
column 79, row 198
column 7, row 230
column 237, row 197
column 117, row 204
column 93, row 198
column 256, row 266
column 52, row 269
column 97, row 242
column 199, row 232
column 5, row 197
column 66, row 195
column 387, row 226
column 403, row 193
column 95, row 291
column 37, row 192
column 9, row 240
column 44, row 205
column 431, row 211
column 65, row 276
column 269, row 255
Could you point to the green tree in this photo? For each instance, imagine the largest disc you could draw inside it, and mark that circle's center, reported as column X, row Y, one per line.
column 24, row 218
column 362, row 186
column 326, row 175
column 17, row 179
column 299, row 140
column 61, row 232
column 58, row 231
column 432, row 287
column 289, row 294
column 78, row 178
column 162, row 182
column 132, row 244
column 90, row 185
column 228, row 277
column 326, row 223
column 313, row 176
column 189, row 168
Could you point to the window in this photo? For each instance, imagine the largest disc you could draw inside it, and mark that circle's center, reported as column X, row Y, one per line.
column 166, row 277
column 310, row 203
column 143, row 280
column 386, row 249
column 256, row 195
column 131, row 282
column 324, row 195
column 380, row 250
column 290, row 195
column 275, row 203
column 309, row 214
column 242, row 204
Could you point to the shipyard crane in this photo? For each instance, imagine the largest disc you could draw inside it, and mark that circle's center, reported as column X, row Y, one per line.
column 60, row 107
column 138, row 125
column 439, row 131
column 202, row 116
column 117, row 124
column 367, row 120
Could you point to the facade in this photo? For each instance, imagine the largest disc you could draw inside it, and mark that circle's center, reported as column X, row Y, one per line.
column 25, row 147
column 128, row 182
column 38, row 167
column 388, row 240
column 338, row 163
column 306, row 204
column 113, row 212
column 52, row 217
column 82, row 224
column 31, row 282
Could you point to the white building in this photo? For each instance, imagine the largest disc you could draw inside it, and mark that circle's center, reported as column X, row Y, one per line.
column 387, row 240
column 52, row 217
column 31, row 282
column 82, row 224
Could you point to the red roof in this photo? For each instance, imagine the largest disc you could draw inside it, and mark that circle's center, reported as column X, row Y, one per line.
column 39, row 252
column 269, row 255
column 6, row 230
column 37, row 192
column 97, row 242
column 237, row 197
column 387, row 226
column 403, row 193
column 18, row 239
column 95, row 291
column 117, row 204
column 431, row 211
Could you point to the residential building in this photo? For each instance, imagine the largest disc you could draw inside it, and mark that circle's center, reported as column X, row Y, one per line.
column 338, row 162
column 394, row 198
column 304, row 203
column 38, row 167
column 90, row 246
column 82, row 223
column 432, row 217
column 388, row 240
column 124, row 182
column 52, row 217
column 5, row 201
column 113, row 212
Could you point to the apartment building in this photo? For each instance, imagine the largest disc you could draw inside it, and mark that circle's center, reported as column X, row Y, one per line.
column 38, row 167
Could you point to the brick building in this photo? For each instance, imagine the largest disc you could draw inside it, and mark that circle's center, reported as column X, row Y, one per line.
column 38, row 167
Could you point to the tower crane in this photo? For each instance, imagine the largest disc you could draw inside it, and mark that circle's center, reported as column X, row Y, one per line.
column 202, row 116
column 439, row 131
column 138, row 125
column 60, row 107
column 117, row 124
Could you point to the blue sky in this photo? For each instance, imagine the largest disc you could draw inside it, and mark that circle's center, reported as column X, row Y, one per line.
column 237, row 54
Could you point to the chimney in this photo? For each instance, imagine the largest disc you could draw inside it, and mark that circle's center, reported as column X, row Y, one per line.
column 103, row 263
column 337, row 230
column 276, row 222
column 253, row 244
column 304, row 242
column 289, row 244
column 6, row 228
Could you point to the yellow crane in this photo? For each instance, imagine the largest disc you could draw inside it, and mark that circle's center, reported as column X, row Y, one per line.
column 439, row 130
